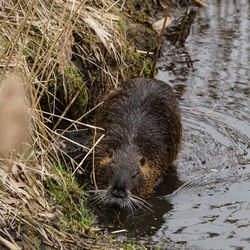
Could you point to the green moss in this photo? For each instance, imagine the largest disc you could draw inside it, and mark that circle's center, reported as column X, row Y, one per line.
column 147, row 67
column 121, row 25
column 73, row 75
column 140, row 65
column 71, row 196
column 132, row 246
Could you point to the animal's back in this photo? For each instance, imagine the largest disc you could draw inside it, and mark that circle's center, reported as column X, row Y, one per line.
column 145, row 112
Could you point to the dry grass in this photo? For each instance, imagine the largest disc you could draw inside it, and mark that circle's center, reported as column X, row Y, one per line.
column 38, row 39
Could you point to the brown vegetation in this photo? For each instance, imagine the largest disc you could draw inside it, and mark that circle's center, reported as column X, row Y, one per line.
column 64, row 51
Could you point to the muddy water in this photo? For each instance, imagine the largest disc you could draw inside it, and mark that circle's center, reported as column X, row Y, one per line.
column 210, row 73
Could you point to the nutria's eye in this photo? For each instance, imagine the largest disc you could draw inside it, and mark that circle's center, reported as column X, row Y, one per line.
column 142, row 161
column 111, row 153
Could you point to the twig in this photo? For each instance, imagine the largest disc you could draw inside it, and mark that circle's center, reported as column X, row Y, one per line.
column 68, row 107
column 200, row 3
column 79, row 165
column 70, row 120
column 8, row 244
column 93, row 163
column 159, row 44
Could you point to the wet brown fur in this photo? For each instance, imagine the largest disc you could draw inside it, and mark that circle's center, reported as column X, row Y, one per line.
column 142, row 136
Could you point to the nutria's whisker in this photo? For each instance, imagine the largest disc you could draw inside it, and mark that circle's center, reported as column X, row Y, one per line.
column 99, row 197
column 137, row 203
column 98, row 193
column 140, row 199
column 140, row 203
column 91, row 191
column 143, row 205
column 125, row 204
column 130, row 206
column 100, row 202
column 97, row 201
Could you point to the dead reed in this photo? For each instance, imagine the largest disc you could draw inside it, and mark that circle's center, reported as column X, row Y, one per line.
column 39, row 40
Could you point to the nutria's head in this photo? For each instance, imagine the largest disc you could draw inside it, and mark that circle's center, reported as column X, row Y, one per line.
column 124, row 177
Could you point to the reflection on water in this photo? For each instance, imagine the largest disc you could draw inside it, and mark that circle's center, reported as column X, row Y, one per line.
column 214, row 95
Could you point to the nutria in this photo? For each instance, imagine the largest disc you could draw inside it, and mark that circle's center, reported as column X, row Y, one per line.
column 142, row 138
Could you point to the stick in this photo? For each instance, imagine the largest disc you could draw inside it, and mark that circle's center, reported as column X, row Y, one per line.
column 159, row 44
column 200, row 3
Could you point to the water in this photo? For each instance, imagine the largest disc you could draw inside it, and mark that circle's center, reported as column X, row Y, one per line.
column 210, row 74
column 214, row 89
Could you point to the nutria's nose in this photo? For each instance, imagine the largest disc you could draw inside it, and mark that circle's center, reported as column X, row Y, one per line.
column 118, row 193
column 120, row 182
column 119, row 188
